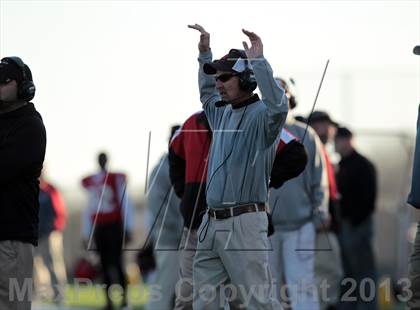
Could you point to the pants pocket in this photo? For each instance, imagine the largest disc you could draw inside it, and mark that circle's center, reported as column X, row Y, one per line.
column 7, row 250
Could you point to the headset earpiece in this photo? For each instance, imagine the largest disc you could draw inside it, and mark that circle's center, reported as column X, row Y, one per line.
column 247, row 80
column 26, row 87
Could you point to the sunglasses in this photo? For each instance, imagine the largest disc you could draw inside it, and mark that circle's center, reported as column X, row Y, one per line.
column 225, row 77
column 5, row 81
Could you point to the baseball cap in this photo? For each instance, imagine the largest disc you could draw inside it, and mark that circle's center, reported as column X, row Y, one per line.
column 9, row 71
column 343, row 132
column 320, row 116
column 235, row 61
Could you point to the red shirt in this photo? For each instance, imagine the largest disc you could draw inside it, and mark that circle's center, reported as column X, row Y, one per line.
column 105, row 196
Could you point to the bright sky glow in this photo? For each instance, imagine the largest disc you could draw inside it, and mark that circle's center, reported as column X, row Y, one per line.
column 110, row 72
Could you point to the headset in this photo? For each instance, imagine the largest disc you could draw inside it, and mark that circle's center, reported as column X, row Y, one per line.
column 247, row 81
column 289, row 90
column 26, row 87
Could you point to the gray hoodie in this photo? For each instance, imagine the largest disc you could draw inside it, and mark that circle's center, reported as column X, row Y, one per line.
column 163, row 215
column 304, row 198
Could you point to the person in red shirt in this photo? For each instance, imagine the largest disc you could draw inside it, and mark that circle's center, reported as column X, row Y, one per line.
column 107, row 221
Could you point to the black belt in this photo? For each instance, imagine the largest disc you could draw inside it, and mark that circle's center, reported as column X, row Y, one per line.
column 235, row 211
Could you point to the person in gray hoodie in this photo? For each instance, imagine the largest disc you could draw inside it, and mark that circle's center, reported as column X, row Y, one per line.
column 233, row 242
column 165, row 224
column 298, row 208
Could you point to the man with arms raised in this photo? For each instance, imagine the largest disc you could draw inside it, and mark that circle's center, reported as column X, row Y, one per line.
column 233, row 245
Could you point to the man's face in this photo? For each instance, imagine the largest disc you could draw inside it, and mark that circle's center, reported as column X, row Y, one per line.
column 227, row 83
column 8, row 91
column 341, row 144
column 325, row 130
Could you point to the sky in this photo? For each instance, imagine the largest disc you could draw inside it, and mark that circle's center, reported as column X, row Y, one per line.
column 109, row 74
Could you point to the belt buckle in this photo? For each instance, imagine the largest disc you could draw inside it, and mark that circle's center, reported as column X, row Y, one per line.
column 211, row 213
column 215, row 214
column 231, row 212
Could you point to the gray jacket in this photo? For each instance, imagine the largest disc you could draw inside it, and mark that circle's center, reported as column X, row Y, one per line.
column 243, row 150
column 304, row 198
column 414, row 197
column 163, row 217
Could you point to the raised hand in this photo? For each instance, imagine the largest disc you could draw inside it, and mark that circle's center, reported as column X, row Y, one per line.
column 256, row 49
column 204, row 44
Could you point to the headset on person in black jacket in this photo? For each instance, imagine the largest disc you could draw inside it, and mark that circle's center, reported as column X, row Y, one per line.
column 26, row 86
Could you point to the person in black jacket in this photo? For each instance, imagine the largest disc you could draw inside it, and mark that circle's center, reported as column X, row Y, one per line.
column 414, row 200
column 22, row 151
column 356, row 181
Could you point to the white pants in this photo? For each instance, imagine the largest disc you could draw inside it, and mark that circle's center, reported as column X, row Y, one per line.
column 293, row 257
column 162, row 288
column 328, row 268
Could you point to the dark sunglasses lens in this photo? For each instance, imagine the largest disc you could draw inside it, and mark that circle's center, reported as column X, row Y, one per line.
column 3, row 77
column 4, row 80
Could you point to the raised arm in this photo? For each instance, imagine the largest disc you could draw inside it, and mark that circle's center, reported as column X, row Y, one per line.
column 207, row 84
column 272, row 94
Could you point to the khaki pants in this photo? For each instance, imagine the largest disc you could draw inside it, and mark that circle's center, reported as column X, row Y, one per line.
column 231, row 263
column 414, row 273
column 16, row 266
column 184, row 287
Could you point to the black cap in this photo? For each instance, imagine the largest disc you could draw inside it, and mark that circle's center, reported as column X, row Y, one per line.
column 234, row 61
column 343, row 132
column 320, row 116
column 10, row 71
column 416, row 50
column 301, row 118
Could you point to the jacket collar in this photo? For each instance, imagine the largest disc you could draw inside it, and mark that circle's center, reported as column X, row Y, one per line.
column 25, row 110
column 254, row 98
